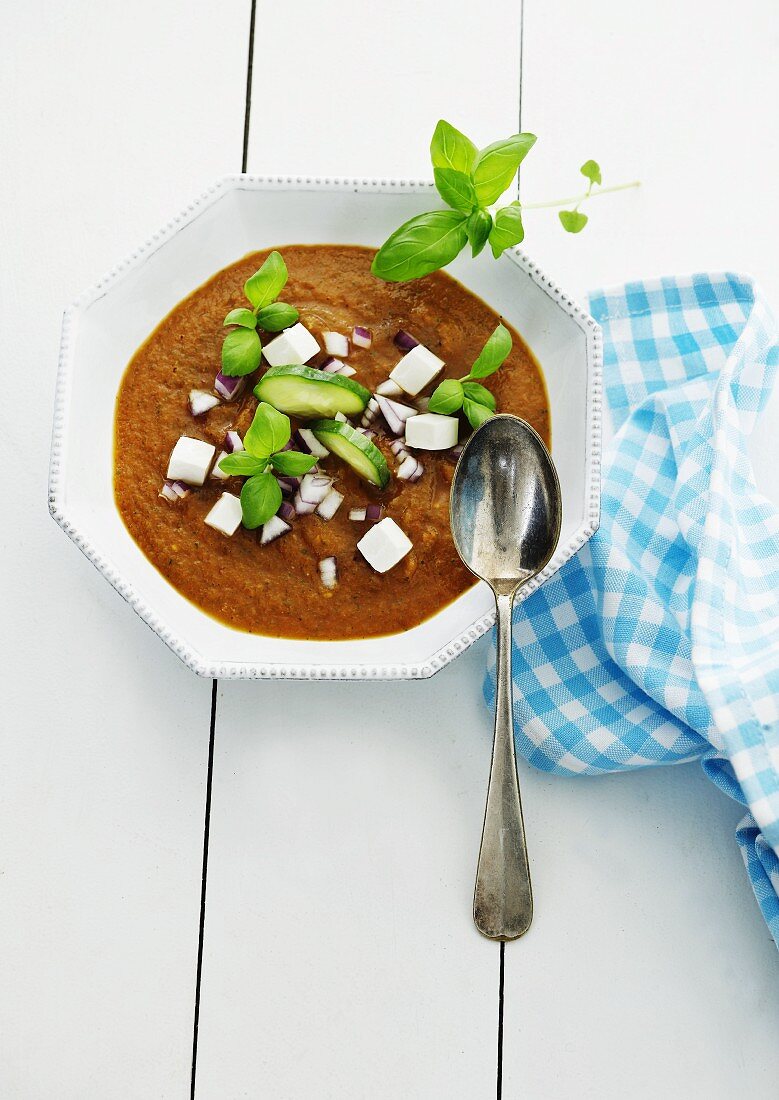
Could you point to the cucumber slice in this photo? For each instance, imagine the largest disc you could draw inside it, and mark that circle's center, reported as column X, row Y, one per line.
column 352, row 446
column 306, row 392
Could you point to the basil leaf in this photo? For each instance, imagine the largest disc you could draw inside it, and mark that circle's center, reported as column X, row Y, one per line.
column 241, row 352
column 455, row 188
column 293, row 463
column 492, row 354
column 497, row 165
column 447, row 398
column 268, row 432
column 451, row 149
column 479, row 394
column 260, row 499
column 243, row 464
column 476, row 413
column 276, row 316
column 267, row 283
column 478, row 230
column 572, row 221
column 591, row 171
column 243, row 317
column 421, row 245
column 508, row 229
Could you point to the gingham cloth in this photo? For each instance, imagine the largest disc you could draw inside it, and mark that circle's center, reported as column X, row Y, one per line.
column 659, row 641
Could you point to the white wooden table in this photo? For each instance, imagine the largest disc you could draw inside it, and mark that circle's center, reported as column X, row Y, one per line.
column 338, row 955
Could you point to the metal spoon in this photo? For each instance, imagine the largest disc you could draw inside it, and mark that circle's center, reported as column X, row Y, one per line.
column 505, row 514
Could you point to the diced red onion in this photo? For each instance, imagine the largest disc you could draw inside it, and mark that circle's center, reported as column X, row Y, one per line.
column 398, row 448
column 370, row 413
column 286, row 511
column 232, row 443
column 174, row 490
column 346, row 370
column 389, row 389
column 361, row 337
column 336, row 343
column 201, row 402
column 216, row 470
column 342, row 417
column 404, row 341
column 395, row 414
column 313, row 490
column 367, row 432
column 328, row 572
column 273, row 529
column 371, row 514
column 410, row 469
column 227, row 387
column 330, row 504
column 288, row 484
column 332, row 366
column 455, row 452
column 308, row 443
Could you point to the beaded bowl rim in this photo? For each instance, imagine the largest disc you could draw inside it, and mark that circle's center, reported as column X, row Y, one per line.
column 307, row 670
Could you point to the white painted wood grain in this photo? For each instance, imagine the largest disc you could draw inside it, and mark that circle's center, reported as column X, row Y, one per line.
column 112, row 116
column 649, row 970
column 341, row 959
column 679, row 95
column 355, row 88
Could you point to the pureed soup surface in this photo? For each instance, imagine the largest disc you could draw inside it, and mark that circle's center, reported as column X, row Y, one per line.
column 276, row 589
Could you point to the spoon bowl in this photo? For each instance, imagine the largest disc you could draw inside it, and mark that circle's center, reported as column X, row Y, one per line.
column 505, row 513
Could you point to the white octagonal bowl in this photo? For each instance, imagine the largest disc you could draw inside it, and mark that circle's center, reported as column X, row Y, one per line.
column 241, row 214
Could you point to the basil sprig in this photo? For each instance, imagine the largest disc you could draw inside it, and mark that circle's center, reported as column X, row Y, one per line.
column 242, row 347
column 470, row 181
column 476, row 401
column 264, row 445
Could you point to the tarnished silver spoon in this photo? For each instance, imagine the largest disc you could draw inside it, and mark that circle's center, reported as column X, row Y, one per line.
column 505, row 513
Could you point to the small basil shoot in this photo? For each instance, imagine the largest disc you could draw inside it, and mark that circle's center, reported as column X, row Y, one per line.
column 264, row 444
column 241, row 352
column 276, row 316
column 242, row 347
column 470, row 181
column 508, row 229
column 476, row 401
column 478, row 227
column 243, row 317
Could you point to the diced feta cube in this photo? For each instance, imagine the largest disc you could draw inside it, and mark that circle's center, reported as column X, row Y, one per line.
column 190, row 460
column 384, row 545
column 216, row 472
column 416, row 370
column 292, row 347
column 226, row 514
column 432, row 432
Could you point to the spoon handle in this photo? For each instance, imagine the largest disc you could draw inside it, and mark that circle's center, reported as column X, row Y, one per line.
column 503, row 898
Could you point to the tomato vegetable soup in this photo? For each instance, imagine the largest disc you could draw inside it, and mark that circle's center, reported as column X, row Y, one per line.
column 332, row 518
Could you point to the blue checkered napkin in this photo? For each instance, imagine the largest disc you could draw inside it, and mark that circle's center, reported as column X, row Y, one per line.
column 659, row 641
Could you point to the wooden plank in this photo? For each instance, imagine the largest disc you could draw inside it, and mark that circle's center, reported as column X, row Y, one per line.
column 357, row 91
column 680, row 97
column 340, row 958
column 113, row 117
column 649, row 970
column 340, row 955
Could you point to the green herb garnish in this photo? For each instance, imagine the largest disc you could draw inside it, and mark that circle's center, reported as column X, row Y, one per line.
column 242, row 348
column 264, row 442
column 476, row 401
column 470, row 181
